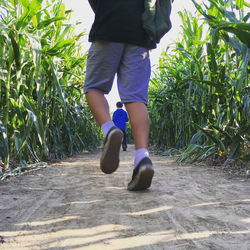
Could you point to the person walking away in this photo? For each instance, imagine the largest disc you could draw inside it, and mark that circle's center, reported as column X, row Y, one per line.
column 121, row 46
column 120, row 117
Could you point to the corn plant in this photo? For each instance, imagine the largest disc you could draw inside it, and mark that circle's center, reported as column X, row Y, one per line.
column 42, row 110
column 201, row 88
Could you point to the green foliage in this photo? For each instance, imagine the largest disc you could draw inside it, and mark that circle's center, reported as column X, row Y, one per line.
column 43, row 113
column 200, row 95
column 223, row 20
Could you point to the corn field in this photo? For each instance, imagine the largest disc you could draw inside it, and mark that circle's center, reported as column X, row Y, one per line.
column 199, row 98
column 200, row 94
column 42, row 110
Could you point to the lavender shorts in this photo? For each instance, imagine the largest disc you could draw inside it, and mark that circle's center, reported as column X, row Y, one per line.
column 131, row 64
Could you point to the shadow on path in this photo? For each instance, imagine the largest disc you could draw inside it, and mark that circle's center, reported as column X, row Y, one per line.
column 73, row 205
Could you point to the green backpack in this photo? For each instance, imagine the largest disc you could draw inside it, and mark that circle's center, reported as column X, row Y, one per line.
column 156, row 18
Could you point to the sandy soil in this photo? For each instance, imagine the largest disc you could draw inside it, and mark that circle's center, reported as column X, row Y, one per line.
column 73, row 205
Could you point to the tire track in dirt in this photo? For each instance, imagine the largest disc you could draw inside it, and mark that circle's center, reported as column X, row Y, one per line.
column 73, row 205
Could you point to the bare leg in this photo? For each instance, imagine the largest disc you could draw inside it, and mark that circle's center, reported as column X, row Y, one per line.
column 139, row 121
column 143, row 171
column 98, row 106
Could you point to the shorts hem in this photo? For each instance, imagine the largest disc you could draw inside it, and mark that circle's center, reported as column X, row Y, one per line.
column 87, row 90
column 133, row 101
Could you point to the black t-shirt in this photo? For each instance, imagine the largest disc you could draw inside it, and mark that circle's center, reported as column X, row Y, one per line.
column 120, row 21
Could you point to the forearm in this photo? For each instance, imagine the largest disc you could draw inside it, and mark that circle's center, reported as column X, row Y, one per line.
column 93, row 4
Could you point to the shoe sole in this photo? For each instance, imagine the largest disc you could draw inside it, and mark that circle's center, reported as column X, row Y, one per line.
column 143, row 179
column 109, row 161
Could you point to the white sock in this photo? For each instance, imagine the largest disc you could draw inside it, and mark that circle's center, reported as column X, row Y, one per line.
column 140, row 154
column 107, row 126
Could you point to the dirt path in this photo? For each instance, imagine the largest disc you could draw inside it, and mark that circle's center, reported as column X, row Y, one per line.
column 72, row 205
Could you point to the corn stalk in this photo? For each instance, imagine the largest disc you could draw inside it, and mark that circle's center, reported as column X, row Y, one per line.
column 43, row 113
column 202, row 87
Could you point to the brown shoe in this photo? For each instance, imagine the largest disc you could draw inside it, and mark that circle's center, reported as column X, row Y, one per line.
column 109, row 161
column 142, row 175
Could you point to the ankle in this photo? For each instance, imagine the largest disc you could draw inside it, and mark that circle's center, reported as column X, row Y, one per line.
column 140, row 154
column 106, row 127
